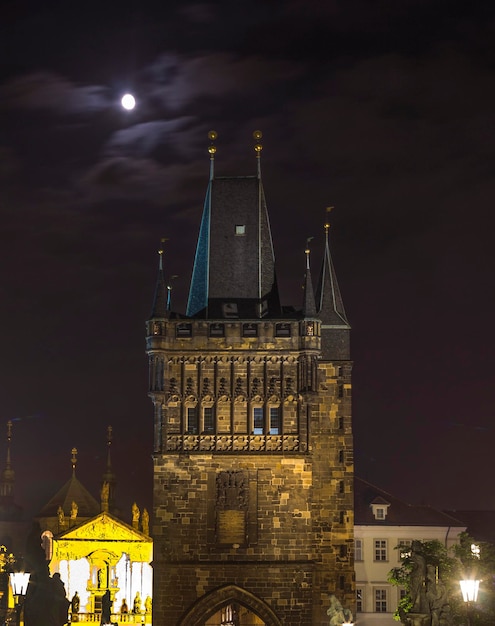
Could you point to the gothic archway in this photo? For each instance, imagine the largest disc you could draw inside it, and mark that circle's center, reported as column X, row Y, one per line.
column 212, row 602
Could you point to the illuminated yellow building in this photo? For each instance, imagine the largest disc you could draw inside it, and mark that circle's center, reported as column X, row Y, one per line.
column 96, row 552
column 103, row 553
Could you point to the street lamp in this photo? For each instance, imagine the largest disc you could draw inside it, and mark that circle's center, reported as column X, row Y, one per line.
column 469, row 589
column 19, row 582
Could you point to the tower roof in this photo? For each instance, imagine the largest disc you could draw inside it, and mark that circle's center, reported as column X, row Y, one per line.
column 309, row 304
column 72, row 491
column 234, row 266
column 160, row 301
column 328, row 298
column 8, row 509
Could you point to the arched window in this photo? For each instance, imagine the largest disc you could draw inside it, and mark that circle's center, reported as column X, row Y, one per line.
column 47, row 544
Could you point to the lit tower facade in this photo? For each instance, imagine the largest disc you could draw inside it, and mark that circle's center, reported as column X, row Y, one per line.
column 253, row 457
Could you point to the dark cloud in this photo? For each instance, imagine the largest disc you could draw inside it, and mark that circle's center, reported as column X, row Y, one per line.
column 49, row 92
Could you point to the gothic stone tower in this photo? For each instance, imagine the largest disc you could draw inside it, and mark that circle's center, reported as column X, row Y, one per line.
column 253, row 465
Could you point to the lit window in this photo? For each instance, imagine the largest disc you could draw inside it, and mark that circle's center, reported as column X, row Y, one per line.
column 274, row 420
column 475, row 550
column 358, row 549
column 404, row 548
column 240, row 229
column 258, row 426
column 380, row 550
column 359, row 599
column 380, row 600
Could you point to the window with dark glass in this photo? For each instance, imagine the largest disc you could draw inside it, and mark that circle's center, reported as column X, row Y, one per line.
column 192, row 421
column 380, row 546
column 183, row 330
column 274, row 420
column 217, row 330
column 250, row 330
column 282, row 330
column 380, row 600
column 258, row 426
column 208, row 420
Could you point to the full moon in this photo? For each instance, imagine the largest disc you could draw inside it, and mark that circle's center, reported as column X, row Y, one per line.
column 128, row 101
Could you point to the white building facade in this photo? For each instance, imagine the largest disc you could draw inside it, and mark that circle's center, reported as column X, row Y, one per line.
column 381, row 524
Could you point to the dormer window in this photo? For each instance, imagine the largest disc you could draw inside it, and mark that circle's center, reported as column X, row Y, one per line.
column 380, row 509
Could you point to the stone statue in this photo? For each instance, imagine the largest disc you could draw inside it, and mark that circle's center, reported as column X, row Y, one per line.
column 135, row 515
column 436, row 596
column 145, row 522
column 147, row 605
column 136, row 607
column 418, row 580
column 61, row 516
column 75, row 603
column 73, row 510
column 337, row 614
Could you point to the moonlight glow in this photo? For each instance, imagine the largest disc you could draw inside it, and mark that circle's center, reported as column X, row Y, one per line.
column 128, row 102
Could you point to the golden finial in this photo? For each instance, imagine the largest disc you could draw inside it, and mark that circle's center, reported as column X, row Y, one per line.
column 327, row 222
column 9, row 430
column 109, row 435
column 257, row 135
column 74, row 459
column 212, row 135
column 162, row 241
column 307, row 250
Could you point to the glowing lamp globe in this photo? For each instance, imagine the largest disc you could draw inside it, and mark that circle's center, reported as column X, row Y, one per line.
column 19, row 582
column 469, row 589
column 128, row 101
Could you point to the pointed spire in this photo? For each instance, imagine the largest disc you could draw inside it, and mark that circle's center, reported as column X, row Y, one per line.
column 328, row 299
column 258, row 147
column 73, row 460
column 161, row 298
column 169, row 291
column 8, row 474
column 212, row 135
column 309, row 305
column 109, row 479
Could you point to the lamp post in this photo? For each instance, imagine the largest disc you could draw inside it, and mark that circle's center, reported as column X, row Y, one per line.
column 469, row 589
column 19, row 582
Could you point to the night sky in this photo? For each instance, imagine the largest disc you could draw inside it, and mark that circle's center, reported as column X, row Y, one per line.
column 384, row 110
